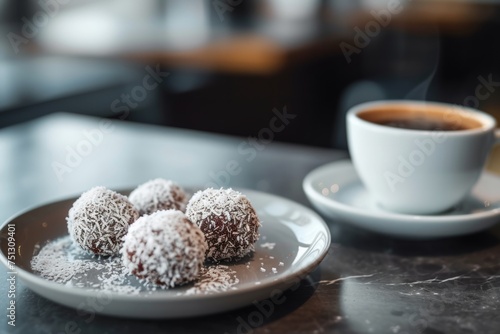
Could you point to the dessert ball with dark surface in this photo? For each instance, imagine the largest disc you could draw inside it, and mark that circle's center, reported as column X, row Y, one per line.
column 158, row 194
column 228, row 220
column 99, row 219
column 164, row 248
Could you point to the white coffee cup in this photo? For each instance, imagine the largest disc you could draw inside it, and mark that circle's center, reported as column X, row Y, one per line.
column 417, row 171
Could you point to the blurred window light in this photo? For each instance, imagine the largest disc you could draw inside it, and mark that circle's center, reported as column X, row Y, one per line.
column 110, row 26
column 293, row 9
column 80, row 30
column 186, row 23
column 100, row 27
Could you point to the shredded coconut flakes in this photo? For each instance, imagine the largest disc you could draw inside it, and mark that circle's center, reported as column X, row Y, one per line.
column 63, row 262
column 228, row 220
column 158, row 194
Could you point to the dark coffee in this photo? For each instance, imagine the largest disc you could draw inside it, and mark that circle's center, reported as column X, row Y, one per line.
column 423, row 123
column 426, row 118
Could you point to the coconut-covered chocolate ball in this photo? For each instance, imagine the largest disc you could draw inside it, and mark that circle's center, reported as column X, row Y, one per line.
column 158, row 194
column 99, row 219
column 164, row 248
column 227, row 219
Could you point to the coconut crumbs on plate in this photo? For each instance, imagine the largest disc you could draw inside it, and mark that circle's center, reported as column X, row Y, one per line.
column 63, row 262
column 268, row 245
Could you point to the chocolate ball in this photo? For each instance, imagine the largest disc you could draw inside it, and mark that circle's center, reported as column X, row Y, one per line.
column 99, row 219
column 164, row 248
column 228, row 220
column 158, row 194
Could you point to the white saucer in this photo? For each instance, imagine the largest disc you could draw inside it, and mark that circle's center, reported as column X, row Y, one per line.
column 336, row 191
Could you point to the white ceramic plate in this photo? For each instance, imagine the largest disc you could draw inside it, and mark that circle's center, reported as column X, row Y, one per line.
column 301, row 240
column 337, row 192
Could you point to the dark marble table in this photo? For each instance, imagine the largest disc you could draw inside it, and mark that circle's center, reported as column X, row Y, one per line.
column 367, row 283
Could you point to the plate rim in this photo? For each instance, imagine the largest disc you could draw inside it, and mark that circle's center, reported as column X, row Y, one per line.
column 284, row 281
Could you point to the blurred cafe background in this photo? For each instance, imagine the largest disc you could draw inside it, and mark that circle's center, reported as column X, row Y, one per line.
column 226, row 66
